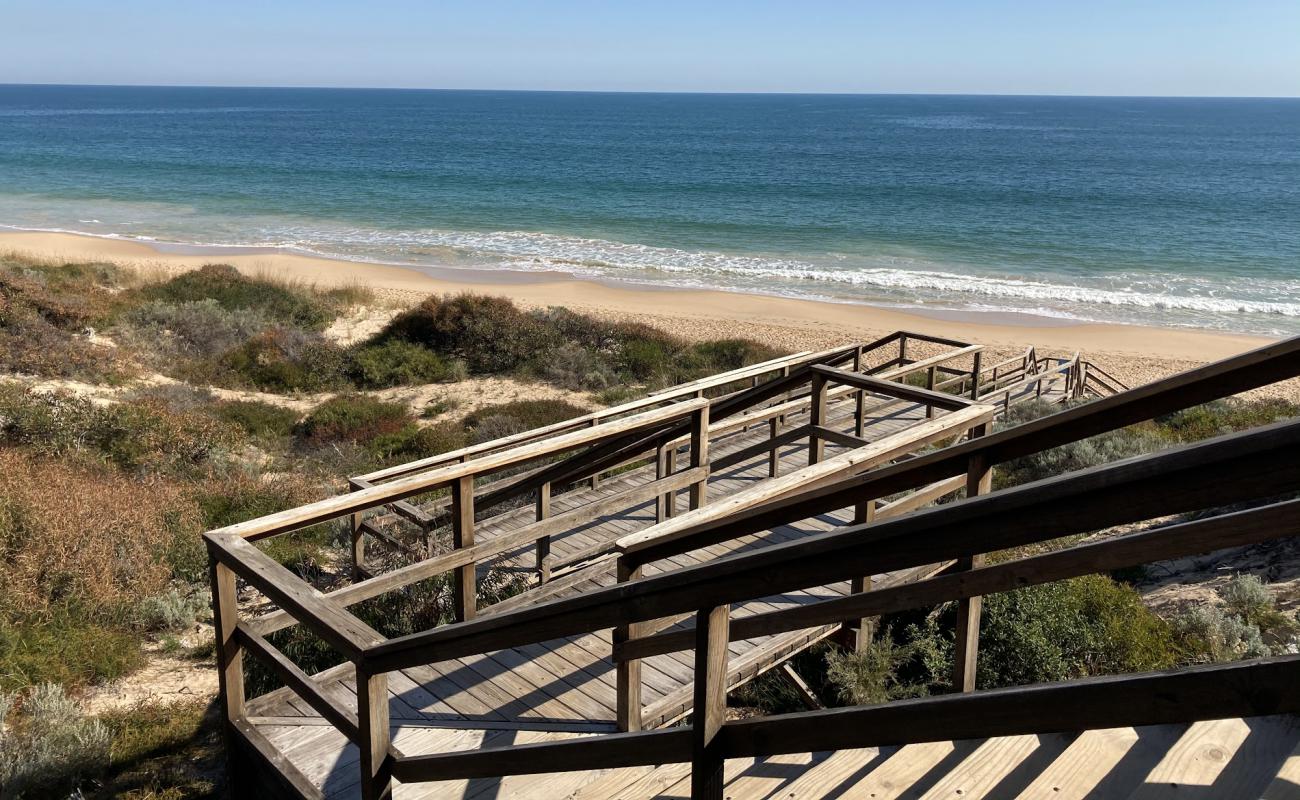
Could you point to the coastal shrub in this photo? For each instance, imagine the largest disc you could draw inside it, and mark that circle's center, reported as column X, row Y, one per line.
column 396, row 363
column 239, row 497
column 413, row 442
column 489, row 334
column 175, row 610
column 1247, row 625
column 877, row 673
column 722, row 355
column 280, row 301
column 1075, row 628
column 201, row 329
column 85, row 539
column 355, row 418
column 504, row 419
column 1224, row 416
column 284, row 360
column 574, row 367
column 257, row 418
column 49, row 745
column 1105, row 448
column 63, row 648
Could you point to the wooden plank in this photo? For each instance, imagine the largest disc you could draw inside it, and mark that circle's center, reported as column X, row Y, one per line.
column 301, row 683
column 710, row 706
column 1286, row 785
column 325, row 617
column 981, row 774
column 902, row 391
column 900, row 772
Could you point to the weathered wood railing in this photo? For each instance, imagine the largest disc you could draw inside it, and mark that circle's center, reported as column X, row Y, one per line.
column 603, row 445
column 1248, row 467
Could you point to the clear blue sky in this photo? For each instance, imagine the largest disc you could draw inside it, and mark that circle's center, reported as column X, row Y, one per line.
column 1145, row 47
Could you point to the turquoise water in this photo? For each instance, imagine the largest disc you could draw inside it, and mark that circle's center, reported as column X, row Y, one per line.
column 1167, row 211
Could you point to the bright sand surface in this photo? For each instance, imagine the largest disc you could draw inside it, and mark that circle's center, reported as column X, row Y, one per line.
column 1135, row 354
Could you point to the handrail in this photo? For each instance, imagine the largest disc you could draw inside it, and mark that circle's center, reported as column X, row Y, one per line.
column 1259, row 367
column 1260, row 687
column 1233, row 468
column 603, row 414
column 341, row 505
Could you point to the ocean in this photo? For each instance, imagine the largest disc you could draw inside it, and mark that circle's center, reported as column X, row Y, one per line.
column 1176, row 212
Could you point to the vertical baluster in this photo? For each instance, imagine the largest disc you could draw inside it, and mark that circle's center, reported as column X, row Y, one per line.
column 711, row 635
column 859, row 631
column 230, row 655
column 979, row 480
column 358, row 542
column 465, row 582
column 699, row 455
column 544, row 543
column 860, row 398
column 816, row 417
column 929, row 384
column 595, row 479
column 627, row 673
column 372, row 719
column 975, row 376
column 773, row 455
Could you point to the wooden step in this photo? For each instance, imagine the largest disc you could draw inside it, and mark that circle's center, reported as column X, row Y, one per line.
column 999, row 767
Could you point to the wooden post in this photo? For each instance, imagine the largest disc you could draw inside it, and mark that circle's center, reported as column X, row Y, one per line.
column 860, row 399
column 699, row 455
column 544, row 543
column 230, row 655
column 627, row 672
column 661, row 471
column 670, row 466
column 465, row 584
column 929, row 384
column 858, row 632
column 595, row 479
column 816, row 416
column 711, row 635
column 902, row 350
column 979, row 480
column 372, row 719
column 975, row 376
column 359, row 571
column 773, row 455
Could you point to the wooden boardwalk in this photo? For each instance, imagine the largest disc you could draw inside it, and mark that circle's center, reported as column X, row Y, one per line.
column 608, row 676
column 568, row 686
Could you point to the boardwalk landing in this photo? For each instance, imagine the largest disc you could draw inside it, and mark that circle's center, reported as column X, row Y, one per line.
column 566, row 687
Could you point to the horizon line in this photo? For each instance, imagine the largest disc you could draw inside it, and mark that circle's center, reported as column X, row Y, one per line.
column 644, row 91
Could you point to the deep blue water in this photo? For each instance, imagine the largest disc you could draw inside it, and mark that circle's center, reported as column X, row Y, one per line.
column 1173, row 211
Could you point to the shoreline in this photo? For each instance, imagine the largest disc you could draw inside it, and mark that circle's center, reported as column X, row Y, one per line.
column 792, row 323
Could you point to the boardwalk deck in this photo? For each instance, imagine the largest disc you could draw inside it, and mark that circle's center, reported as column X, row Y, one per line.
column 567, row 687
column 488, row 685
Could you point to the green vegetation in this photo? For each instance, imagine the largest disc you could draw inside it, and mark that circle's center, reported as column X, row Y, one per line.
column 283, row 303
column 1247, row 625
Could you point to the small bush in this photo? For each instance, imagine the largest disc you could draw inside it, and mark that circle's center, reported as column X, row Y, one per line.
column 1097, row 450
column 50, row 746
column 398, row 363
column 1208, row 634
column 257, row 418
column 352, row 418
column 1069, row 629
column 174, row 610
column 163, row 751
column 874, row 675
column 411, row 442
column 526, row 414
column 488, row 333
column 63, row 648
column 284, row 360
column 574, row 367
column 289, row 305
column 201, row 329
column 1224, row 416
column 240, row 497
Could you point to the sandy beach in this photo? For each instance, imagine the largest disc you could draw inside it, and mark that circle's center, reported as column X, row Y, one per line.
column 1135, row 354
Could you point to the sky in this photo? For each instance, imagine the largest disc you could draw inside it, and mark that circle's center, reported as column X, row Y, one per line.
column 1101, row 47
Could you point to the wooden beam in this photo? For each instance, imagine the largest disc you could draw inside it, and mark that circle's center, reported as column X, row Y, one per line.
column 301, row 683
column 322, row 615
column 1254, row 526
column 902, row 391
column 710, row 703
column 465, row 579
column 372, row 716
column 979, row 480
column 627, row 678
column 1238, row 467
column 1240, row 689
column 225, row 622
column 817, row 416
column 1250, row 370
column 699, row 456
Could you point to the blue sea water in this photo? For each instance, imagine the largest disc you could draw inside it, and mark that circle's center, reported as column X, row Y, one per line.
column 1169, row 211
